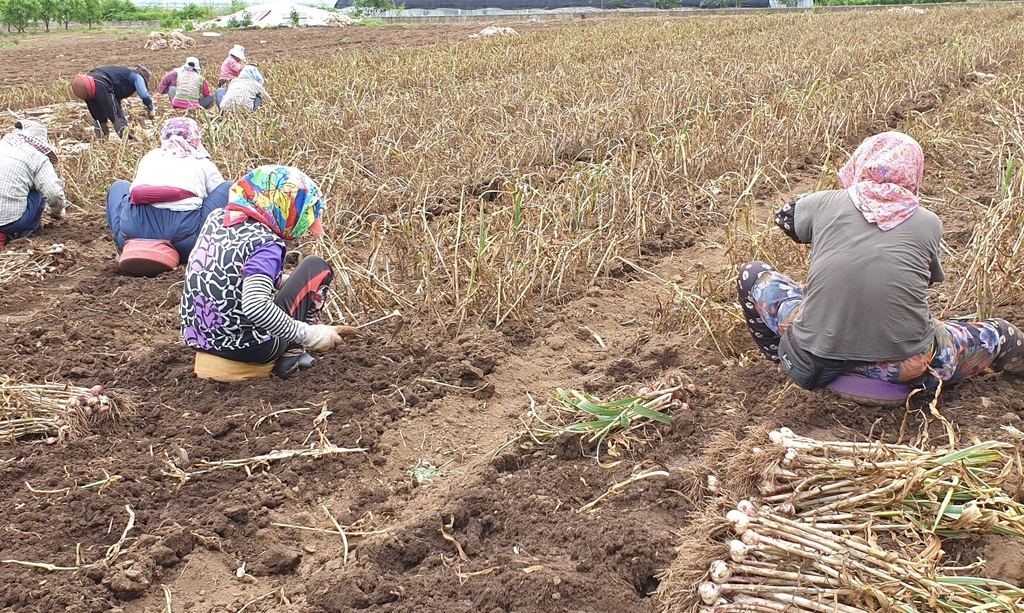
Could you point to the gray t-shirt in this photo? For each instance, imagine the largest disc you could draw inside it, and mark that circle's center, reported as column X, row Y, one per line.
column 866, row 296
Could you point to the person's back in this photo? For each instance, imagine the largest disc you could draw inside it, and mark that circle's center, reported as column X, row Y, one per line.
column 120, row 79
column 28, row 181
column 18, row 167
column 864, row 279
column 190, row 89
column 241, row 95
column 175, row 183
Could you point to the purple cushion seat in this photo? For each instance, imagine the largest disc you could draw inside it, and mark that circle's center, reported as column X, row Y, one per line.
column 873, row 392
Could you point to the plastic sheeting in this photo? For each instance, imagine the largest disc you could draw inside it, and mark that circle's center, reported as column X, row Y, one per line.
column 278, row 14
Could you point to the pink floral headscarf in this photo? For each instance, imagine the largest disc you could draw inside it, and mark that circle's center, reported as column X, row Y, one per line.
column 181, row 138
column 883, row 177
column 29, row 133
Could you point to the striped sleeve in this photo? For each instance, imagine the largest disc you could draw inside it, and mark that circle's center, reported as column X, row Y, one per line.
column 258, row 305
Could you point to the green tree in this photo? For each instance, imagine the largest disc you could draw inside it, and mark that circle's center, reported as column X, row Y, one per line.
column 18, row 13
column 89, row 12
column 46, row 11
column 67, row 10
column 373, row 7
column 194, row 11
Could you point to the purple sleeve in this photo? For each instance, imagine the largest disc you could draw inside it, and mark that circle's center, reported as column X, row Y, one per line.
column 267, row 260
column 171, row 78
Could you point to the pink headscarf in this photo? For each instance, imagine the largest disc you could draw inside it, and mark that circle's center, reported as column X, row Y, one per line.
column 32, row 134
column 883, row 177
column 181, row 138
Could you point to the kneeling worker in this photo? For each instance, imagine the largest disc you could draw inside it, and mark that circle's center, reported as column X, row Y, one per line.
column 28, row 181
column 228, row 307
column 156, row 218
column 861, row 325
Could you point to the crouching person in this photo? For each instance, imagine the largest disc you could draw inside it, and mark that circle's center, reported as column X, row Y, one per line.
column 247, row 92
column 156, row 218
column 861, row 325
column 228, row 307
column 28, row 181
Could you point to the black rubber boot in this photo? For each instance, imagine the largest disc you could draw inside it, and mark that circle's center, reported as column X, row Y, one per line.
column 294, row 360
column 1010, row 358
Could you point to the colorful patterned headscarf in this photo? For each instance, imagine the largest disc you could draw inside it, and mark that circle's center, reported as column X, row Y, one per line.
column 181, row 138
column 282, row 198
column 883, row 177
column 31, row 134
column 251, row 72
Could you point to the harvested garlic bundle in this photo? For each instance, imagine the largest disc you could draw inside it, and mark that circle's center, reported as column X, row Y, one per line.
column 740, row 521
column 720, row 571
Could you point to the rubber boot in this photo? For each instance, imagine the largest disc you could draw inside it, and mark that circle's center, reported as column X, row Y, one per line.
column 1010, row 358
column 294, row 360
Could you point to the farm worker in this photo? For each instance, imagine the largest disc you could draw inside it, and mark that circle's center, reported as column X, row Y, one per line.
column 246, row 92
column 864, row 308
column 28, row 181
column 232, row 65
column 104, row 88
column 169, row 83
column 228, row 307
column 176, row 187
column 189, row 90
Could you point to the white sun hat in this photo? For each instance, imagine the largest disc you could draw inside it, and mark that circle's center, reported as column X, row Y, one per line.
column 238, row 51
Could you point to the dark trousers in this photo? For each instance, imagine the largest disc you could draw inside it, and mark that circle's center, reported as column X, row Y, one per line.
column 105, row 107
column 302, row 297
column 30, row 220
column 128, row 221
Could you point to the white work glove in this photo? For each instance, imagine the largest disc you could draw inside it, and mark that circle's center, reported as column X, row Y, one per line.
column 321, row 337
column 61, row 213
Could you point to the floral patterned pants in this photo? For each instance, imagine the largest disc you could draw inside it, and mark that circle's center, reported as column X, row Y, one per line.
column 771, row 301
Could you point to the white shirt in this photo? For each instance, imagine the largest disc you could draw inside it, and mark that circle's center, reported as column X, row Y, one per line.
column 197, row 176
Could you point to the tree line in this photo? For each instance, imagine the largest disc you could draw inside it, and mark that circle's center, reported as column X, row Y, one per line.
column 18, row 15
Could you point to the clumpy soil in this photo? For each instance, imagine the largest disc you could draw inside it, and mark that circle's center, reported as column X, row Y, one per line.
column 505, row 525
column 44, row 58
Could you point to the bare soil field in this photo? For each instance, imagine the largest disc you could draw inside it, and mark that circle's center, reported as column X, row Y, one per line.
column 509, row 525
column 58, row 55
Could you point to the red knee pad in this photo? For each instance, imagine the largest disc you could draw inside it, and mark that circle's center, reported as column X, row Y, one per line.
column 147, row 258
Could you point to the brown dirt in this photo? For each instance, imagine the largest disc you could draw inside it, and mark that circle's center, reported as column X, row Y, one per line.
column 46, row 57
column 407, row 396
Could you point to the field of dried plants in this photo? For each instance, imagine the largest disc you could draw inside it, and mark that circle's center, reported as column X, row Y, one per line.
column 558, row 216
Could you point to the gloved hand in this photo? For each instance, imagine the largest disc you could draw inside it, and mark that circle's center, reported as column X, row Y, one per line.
column 61, row 213
column 321, row 337
column 151, row 113
column 347, row 330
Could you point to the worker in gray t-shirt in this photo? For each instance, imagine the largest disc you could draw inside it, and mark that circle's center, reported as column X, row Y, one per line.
column 864, row 307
